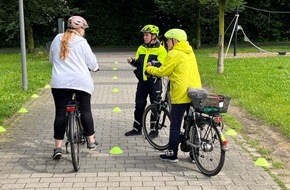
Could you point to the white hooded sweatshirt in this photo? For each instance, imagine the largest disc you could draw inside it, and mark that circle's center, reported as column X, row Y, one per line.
column 73, row 72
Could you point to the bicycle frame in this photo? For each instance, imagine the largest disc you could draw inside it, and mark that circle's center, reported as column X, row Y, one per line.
column 74, row 132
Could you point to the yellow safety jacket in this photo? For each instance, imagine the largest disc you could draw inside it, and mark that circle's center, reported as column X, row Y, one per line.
column 148, row 53
column 181, row 68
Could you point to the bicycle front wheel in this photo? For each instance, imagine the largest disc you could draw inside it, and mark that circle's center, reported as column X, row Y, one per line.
column 208, row 155
column 156, row 126
column 74, row 133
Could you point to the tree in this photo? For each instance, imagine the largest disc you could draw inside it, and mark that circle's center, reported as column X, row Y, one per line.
column 188, row 11
column 231, row 5
column 220, row 68
column 36, row 13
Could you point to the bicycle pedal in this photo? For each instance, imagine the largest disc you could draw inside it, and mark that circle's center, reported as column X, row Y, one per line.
column 184, row 147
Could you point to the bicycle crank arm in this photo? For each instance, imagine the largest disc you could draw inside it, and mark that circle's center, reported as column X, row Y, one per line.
column 191, row 144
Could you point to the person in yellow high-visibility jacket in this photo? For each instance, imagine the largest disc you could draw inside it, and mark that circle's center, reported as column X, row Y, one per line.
column 150, row 51
column 181, row 67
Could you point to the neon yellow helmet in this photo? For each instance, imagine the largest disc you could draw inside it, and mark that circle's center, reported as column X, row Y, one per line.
column 177, row 34
column 150, row 28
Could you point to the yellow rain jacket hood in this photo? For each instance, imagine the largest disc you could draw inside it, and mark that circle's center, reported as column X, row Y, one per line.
column 181, row 68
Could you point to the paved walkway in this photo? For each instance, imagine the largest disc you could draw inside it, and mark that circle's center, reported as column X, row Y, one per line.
column 26, row 148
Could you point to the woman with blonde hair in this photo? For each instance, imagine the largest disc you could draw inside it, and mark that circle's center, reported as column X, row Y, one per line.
column 72, row 59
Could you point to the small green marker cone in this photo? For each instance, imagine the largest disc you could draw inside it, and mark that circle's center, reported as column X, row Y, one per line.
column 47, row 86
column 116, row 109
column 23, row 110
column 115, row 77
column 2, row 129
column 115, row 90
column 116, row 150
column 115, row 69
column 262, row 162
column 231, row 132
column 34, row 96
column 116, row 62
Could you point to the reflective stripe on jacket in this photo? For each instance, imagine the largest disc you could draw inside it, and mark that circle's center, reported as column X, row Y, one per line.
column 145, row 54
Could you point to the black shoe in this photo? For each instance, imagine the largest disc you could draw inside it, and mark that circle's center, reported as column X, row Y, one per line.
column 153, row 134
column 169, row 156
column 57, row 153
column 133, row 132
column 92, row 146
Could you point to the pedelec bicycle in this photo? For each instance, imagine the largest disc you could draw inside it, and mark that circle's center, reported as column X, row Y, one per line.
column 203, row 126
column 202, row 134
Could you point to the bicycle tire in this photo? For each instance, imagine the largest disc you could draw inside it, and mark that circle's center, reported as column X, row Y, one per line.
column 209, row 156
column 151, row 117
column 74, row 140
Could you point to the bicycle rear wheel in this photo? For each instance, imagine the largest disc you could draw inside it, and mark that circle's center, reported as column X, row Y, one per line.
column 156, row 126
column 209, row 155
column 74, row 134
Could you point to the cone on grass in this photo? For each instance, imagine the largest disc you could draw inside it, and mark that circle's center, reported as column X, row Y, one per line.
column 231, row 132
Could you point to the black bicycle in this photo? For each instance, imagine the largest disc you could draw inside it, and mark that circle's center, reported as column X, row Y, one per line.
column 156, row 123
column 74, row 131
column 203, row 126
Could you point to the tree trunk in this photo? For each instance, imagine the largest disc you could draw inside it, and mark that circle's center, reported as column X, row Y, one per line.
column 30, row 39
column 198, row 27
column 220, row 68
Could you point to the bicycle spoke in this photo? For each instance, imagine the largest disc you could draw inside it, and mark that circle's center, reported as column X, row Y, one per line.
column 209, row 156
column 156, row 125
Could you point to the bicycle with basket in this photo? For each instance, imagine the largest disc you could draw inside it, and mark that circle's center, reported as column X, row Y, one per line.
column 203, row 131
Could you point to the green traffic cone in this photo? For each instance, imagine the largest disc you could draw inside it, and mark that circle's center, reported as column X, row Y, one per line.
column 2, row 129
column 23, row 110
column 116, row 150
column 116, row 109
column 115, row 90
column 231, row 132
column 262, row 162
column 34, row 96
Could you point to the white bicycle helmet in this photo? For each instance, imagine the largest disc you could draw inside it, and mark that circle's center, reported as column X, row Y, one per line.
column 77, row 22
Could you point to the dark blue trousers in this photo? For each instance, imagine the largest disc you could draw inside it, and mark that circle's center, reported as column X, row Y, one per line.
column 144, row 89
column 177, row 115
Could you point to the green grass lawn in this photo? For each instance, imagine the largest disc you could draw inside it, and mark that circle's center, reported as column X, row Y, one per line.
column 12, row 95
column 260, row 85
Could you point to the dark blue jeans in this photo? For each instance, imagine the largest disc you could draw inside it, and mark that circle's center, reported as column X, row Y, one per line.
column 61, row 98
column 177, row 115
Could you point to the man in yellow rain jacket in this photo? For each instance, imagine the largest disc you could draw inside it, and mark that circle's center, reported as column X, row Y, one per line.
column 181, row 68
